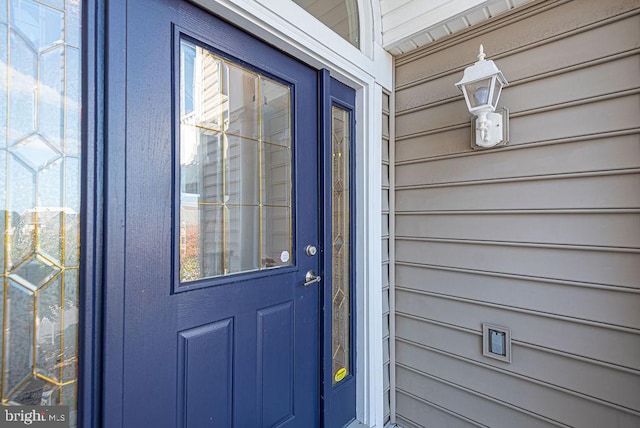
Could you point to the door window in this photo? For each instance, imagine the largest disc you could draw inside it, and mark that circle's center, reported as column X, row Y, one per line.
column 235, row 167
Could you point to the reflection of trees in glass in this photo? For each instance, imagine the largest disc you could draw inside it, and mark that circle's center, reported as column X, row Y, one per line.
column 190, row 259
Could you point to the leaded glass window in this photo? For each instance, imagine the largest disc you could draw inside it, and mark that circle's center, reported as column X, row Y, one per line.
column 340, row 245
column 40, row 81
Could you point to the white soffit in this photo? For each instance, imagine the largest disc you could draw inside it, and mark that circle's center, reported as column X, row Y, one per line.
column 410, row 24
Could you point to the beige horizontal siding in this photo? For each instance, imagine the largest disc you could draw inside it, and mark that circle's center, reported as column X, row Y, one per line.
column 555, row 369
column 610, row 305
column 541, row 236
column 613, row 153
column 596, row 229
column 584, row 117
column 414, row 407
column 590, row 265
column 618, row 347
column 386, row 253
column 529, row 398
column 483, row 412
column 600, row 190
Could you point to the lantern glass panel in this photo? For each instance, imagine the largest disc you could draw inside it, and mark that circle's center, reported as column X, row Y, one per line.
column 496, row 92
column 478, row 93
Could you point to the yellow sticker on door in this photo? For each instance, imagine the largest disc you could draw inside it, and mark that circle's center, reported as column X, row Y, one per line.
column 340, row 374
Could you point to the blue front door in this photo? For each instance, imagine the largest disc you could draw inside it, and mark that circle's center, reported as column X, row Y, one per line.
column 212, row 309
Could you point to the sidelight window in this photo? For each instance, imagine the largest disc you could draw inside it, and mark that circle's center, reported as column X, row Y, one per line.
column 340, row 234
column 40, row 83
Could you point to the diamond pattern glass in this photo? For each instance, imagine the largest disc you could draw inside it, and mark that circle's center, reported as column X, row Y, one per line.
column 235, row 167
column 35, row 272
column 40, row 86
column 340, row 256
column 35, row 152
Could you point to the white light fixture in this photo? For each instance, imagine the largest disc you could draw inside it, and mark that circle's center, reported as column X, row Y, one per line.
column 481, row 85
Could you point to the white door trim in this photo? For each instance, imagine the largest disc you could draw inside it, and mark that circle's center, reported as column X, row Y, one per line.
column 290, row 28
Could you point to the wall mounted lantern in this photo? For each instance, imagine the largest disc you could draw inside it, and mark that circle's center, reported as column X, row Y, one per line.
column 481, row 85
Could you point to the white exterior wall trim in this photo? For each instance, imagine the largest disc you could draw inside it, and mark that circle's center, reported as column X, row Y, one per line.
column 288, row 27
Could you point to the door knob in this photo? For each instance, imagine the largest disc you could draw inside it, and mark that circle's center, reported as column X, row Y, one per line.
column 311, row 277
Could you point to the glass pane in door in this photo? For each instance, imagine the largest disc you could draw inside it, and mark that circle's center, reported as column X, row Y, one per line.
column 340, row 234
column 235, row 167
column 40, row 81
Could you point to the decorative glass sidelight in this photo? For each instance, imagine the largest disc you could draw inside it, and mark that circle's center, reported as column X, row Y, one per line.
column 340, row 234
column 235, row 167
column 40, row 81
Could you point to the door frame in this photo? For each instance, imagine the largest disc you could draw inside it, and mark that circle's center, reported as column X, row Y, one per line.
column 92, row 219
column 280, row 23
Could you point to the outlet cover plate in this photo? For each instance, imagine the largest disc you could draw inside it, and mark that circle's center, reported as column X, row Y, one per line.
column 496, row 342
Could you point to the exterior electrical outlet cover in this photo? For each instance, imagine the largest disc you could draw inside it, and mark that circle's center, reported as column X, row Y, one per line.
column 496, row 342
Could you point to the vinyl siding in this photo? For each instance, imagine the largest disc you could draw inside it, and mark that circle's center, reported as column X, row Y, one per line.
column 387, row 227
column 541, row 236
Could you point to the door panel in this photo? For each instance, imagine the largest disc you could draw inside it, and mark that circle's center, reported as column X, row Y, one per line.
column 205, row 356
column 275, row 367
column 238, row 344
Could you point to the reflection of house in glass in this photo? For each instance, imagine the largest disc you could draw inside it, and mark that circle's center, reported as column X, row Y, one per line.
column 235, row 158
